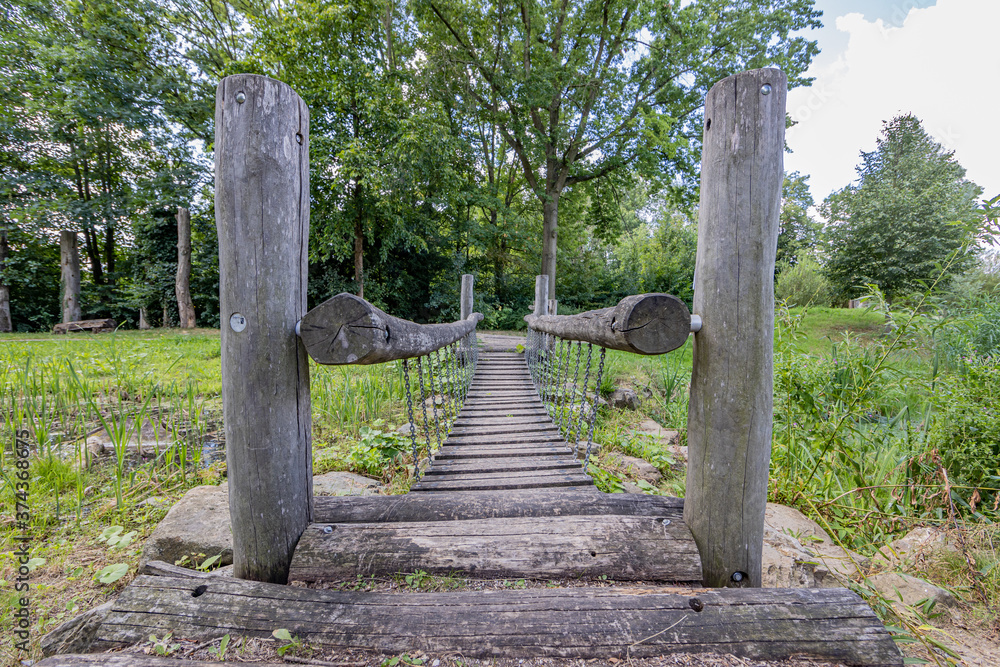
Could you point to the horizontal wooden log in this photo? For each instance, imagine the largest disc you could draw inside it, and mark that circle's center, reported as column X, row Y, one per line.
column 93, row 326
column 641, row 323
column 346, row 329
column 460, row 506
column 504, row 482
column 759, row 624
column 620, row 547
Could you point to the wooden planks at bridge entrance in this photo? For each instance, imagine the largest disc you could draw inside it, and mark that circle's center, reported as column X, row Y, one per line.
column 757, row 624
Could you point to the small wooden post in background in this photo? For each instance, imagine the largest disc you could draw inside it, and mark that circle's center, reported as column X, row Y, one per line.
column 70, row 253
column 466, row 305
column 541, row 295
column 730, row 410
column 182, row 283
column 262, row 215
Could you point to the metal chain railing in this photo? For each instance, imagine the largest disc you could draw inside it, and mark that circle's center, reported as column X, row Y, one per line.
column 549, row 359
column 446, row 383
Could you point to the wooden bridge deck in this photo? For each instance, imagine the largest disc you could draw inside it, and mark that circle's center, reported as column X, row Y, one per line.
column 503, row 437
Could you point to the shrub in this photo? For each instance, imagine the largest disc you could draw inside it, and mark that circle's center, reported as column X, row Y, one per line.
column 803, row 285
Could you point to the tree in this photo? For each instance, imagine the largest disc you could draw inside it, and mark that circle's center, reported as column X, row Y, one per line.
column 799, row 233
column 581, row 89
column 911, row 211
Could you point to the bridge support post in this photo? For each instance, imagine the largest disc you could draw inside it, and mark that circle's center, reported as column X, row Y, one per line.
column 731, row 403
column 541, row 295
column 262, row 215
column 467, row 300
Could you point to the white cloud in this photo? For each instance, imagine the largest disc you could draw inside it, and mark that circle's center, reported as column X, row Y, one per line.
column 941, row 65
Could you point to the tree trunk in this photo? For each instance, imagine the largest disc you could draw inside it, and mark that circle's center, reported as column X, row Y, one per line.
column 359, row 256
column 182, row 286
column 6, row 325
column 550, row 217
column 70, row 254
column 165, row 322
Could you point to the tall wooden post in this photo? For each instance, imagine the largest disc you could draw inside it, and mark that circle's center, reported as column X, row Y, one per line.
column 541, row 295
column 182, row 282
column 262, row 214
column 466, row 306
column 730, row 411
column 69, row 251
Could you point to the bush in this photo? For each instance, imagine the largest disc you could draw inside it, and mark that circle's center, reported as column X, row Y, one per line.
column 966, row 428
column 803, row 285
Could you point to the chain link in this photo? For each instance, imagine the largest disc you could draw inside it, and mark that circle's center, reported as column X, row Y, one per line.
column 593, row 413
column 413, row 428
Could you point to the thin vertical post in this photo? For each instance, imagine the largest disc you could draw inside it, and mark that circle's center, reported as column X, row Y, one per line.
column 70, row 255
column 541, row 295
column 730, row 410
column 262, row 214
column 466, row 305
column 182, row 282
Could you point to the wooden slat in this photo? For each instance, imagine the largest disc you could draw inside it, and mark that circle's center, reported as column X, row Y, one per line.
column 620, row 547
column 511, row 482
column 498, row 452
column 462, row 506
column 494, row 475
column 757, row 624
column 501, row 465
column 134, row 660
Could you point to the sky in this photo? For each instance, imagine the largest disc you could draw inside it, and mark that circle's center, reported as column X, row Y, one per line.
column 936, row 59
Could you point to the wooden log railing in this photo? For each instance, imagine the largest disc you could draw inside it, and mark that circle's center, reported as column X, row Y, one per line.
column 346, row 329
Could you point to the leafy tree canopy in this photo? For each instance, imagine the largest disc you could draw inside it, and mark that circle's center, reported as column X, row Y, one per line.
column 910, row 212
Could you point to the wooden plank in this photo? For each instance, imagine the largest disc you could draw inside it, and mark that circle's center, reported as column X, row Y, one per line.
column 771, row 624
column 620, row 547
column 641, row 323
column 515, row 430
column 499, row 451
column 93, row 326
column 524, row 439
column 730, row 407
column 262, row 215
column 500, row 465
column 498, row 483
column 346, row 329
column 459, row 506
column 454, row 477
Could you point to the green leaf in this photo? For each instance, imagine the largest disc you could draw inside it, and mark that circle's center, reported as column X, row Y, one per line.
column 112, row 573
column 282, row 634
column 35, row 563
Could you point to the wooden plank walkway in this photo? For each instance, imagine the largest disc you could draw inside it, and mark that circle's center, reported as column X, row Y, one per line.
column 503, row 438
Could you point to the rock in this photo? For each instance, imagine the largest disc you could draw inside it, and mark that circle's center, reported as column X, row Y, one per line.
column 344, row 484
column 919, row 543
column 664, row 435
column 639, row 468
column 581, row 449
column 76, row 634
column 895, row 585
column 197, row 524
column 404, row 430
column 156, row 501
column 149, row 438
column 629, row 487
column 431, row 401
column 798, row 553
column 624, row 398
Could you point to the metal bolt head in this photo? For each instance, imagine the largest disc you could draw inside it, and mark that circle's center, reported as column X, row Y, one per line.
column 327, row 529
column 241, row 97
column 765, row 89
column 298, row 138
column 737, row 577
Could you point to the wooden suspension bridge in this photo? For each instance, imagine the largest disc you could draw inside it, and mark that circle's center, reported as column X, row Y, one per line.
column 505, row 494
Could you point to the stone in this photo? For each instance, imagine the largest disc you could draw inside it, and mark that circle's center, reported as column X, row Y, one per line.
column 798, row 553
column 639, row 468
column 197, row 524
column 630, row 487
column 664, row 435
column 909, row 591
column 921, row 542
column 624, row 398
column 344, row 484
column 76, row 634
column 148, row 439
column 581, row 449
column 156, row 501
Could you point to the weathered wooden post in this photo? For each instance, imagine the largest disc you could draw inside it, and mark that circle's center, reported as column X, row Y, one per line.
column 466, row 305
column 70, row 253
column 262, row 214
column 182, row 282
column 730, row 411
column 541, row 295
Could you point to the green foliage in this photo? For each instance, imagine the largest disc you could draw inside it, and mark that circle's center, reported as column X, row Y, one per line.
column 911, row 211
column 376, row 452
column 799, row 233
column 803, row 285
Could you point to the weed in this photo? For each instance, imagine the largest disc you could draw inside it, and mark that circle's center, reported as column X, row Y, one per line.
column 162, row 646
column 291, row 642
